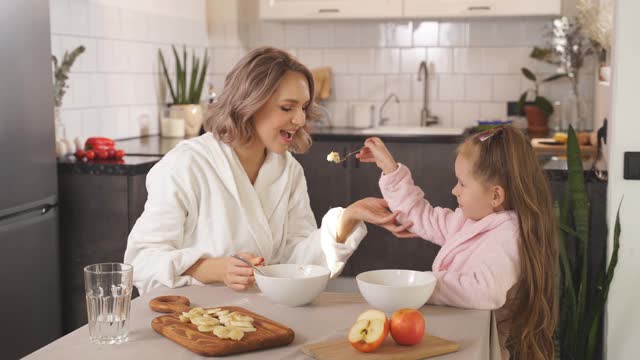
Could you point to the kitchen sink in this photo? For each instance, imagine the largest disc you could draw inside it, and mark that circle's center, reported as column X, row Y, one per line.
column 412, row 130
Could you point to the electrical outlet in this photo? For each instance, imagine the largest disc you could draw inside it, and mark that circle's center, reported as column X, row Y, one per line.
column 631, row 165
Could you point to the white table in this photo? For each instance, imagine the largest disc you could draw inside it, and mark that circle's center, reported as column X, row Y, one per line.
column 329, row 317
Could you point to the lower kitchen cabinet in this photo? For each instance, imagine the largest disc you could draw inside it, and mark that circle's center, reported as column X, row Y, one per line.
column 332, row 185
column 96, row 214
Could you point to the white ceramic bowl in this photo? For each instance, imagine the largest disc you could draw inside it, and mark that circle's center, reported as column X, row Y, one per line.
column 391, row 290
column 292, row 284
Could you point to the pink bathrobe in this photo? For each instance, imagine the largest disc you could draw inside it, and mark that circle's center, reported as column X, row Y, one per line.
column 478, row 263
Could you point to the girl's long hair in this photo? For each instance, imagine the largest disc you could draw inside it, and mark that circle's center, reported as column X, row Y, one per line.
column 505, row 157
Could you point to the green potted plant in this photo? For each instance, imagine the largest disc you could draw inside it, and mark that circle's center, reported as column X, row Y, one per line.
column 186, row 89
column 539, row 108
column 581, row 292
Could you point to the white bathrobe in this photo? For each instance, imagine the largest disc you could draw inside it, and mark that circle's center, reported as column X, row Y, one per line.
column 202, row 204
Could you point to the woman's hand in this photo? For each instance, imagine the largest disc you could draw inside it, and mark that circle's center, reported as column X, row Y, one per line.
column 376, row 211
column 374, row 150
column 238, row 275
column 230, row 271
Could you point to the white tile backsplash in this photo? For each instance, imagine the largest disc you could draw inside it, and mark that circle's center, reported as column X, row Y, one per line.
column 399, row 34
column 506, row 87
column 399, row 85
column 478, row 87
column 372, row 87
column 321, row 35
column 451, row 87
column 465, row 114
column 347, row 87
column 410, row 59
column 118, row 71
column 474, row 64
column 440, row 60
column 452, row 34
column 296, row 35
column 373, row 34
column 425, row 33
column 387, row 61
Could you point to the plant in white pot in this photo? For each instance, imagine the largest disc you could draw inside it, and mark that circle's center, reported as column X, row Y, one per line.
column 187, row 89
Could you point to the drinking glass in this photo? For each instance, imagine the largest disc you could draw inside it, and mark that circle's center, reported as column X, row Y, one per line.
column 108, row 291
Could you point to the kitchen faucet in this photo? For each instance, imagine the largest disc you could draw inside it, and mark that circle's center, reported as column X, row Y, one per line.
column 381, row 120
column 426, row 119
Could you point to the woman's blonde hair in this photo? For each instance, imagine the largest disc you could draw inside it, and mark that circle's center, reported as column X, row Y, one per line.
column 247, row 87
column 503, row 156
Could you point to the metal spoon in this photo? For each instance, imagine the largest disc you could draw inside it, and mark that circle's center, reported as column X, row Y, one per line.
column 248, row 263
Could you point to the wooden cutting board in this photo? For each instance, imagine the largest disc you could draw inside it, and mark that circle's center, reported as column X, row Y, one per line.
column 430, row 346
column 550, row 147
column 268, row 334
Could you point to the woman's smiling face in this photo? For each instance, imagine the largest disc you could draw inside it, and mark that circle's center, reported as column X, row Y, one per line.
column 278, row 120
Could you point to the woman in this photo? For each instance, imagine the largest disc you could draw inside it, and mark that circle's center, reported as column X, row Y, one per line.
column 238, row 190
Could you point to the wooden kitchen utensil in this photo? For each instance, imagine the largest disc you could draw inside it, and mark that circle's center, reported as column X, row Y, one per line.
column 430, row 346
column 268, row 333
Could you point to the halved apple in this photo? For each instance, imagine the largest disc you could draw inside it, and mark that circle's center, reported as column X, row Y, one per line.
column 369, row 331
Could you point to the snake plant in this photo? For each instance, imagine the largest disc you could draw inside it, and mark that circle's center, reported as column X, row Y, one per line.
column 580, row 315
column 183, row 93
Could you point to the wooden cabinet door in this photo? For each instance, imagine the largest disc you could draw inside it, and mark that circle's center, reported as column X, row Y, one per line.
column 329, row 9
column 480, row 8
column 327, row 182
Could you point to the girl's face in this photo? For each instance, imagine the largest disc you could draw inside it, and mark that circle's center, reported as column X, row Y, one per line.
column 278, row 120
column 476, row 199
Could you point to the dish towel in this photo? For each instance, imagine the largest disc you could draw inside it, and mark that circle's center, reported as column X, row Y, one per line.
column 322, row 78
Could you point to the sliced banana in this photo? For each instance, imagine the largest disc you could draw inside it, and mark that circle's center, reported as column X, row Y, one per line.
column 222, row 313
column 240, row 323
column 236, row 334
column 246, row 329
column 206, row 328
column 223, row 323
column 221, row 331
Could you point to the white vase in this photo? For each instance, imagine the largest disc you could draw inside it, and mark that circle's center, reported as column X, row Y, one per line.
column 573, row 112
column 192, row 115
column 59, row 129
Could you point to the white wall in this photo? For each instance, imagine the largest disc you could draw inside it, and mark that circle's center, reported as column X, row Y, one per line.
column 476, row 63
column 623, row 312
column 114, row 86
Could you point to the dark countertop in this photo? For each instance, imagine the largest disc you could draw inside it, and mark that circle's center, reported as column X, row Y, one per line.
column 353, row 134
column 144, row 152
column 156, row 145
column 128, row 166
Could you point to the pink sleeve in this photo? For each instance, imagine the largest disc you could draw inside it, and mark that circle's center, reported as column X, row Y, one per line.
column 484, row 287
column 433, row 224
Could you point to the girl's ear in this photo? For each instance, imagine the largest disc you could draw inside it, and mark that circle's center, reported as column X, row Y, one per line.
column 497, row 197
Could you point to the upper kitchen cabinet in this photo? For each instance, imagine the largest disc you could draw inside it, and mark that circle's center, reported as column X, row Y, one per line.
column 480, row 8
column 329, row 9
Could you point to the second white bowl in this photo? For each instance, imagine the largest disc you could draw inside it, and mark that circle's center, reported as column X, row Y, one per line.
column 391, row 290
column 292, row 284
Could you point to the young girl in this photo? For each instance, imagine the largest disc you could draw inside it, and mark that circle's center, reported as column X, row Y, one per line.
column 498, row 247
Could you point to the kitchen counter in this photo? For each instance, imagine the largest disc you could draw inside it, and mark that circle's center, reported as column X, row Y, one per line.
column 157, row 145
column 328, row 317
column 130, row 165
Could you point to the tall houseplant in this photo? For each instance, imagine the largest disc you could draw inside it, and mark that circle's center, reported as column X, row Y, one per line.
column 539, row 108
column 580, row 315
column 187, row 88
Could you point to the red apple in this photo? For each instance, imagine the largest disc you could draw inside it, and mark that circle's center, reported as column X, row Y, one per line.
column 407, row 326
column 369, row 331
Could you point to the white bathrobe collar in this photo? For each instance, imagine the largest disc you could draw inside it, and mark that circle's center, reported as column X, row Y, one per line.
column 257, row 201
